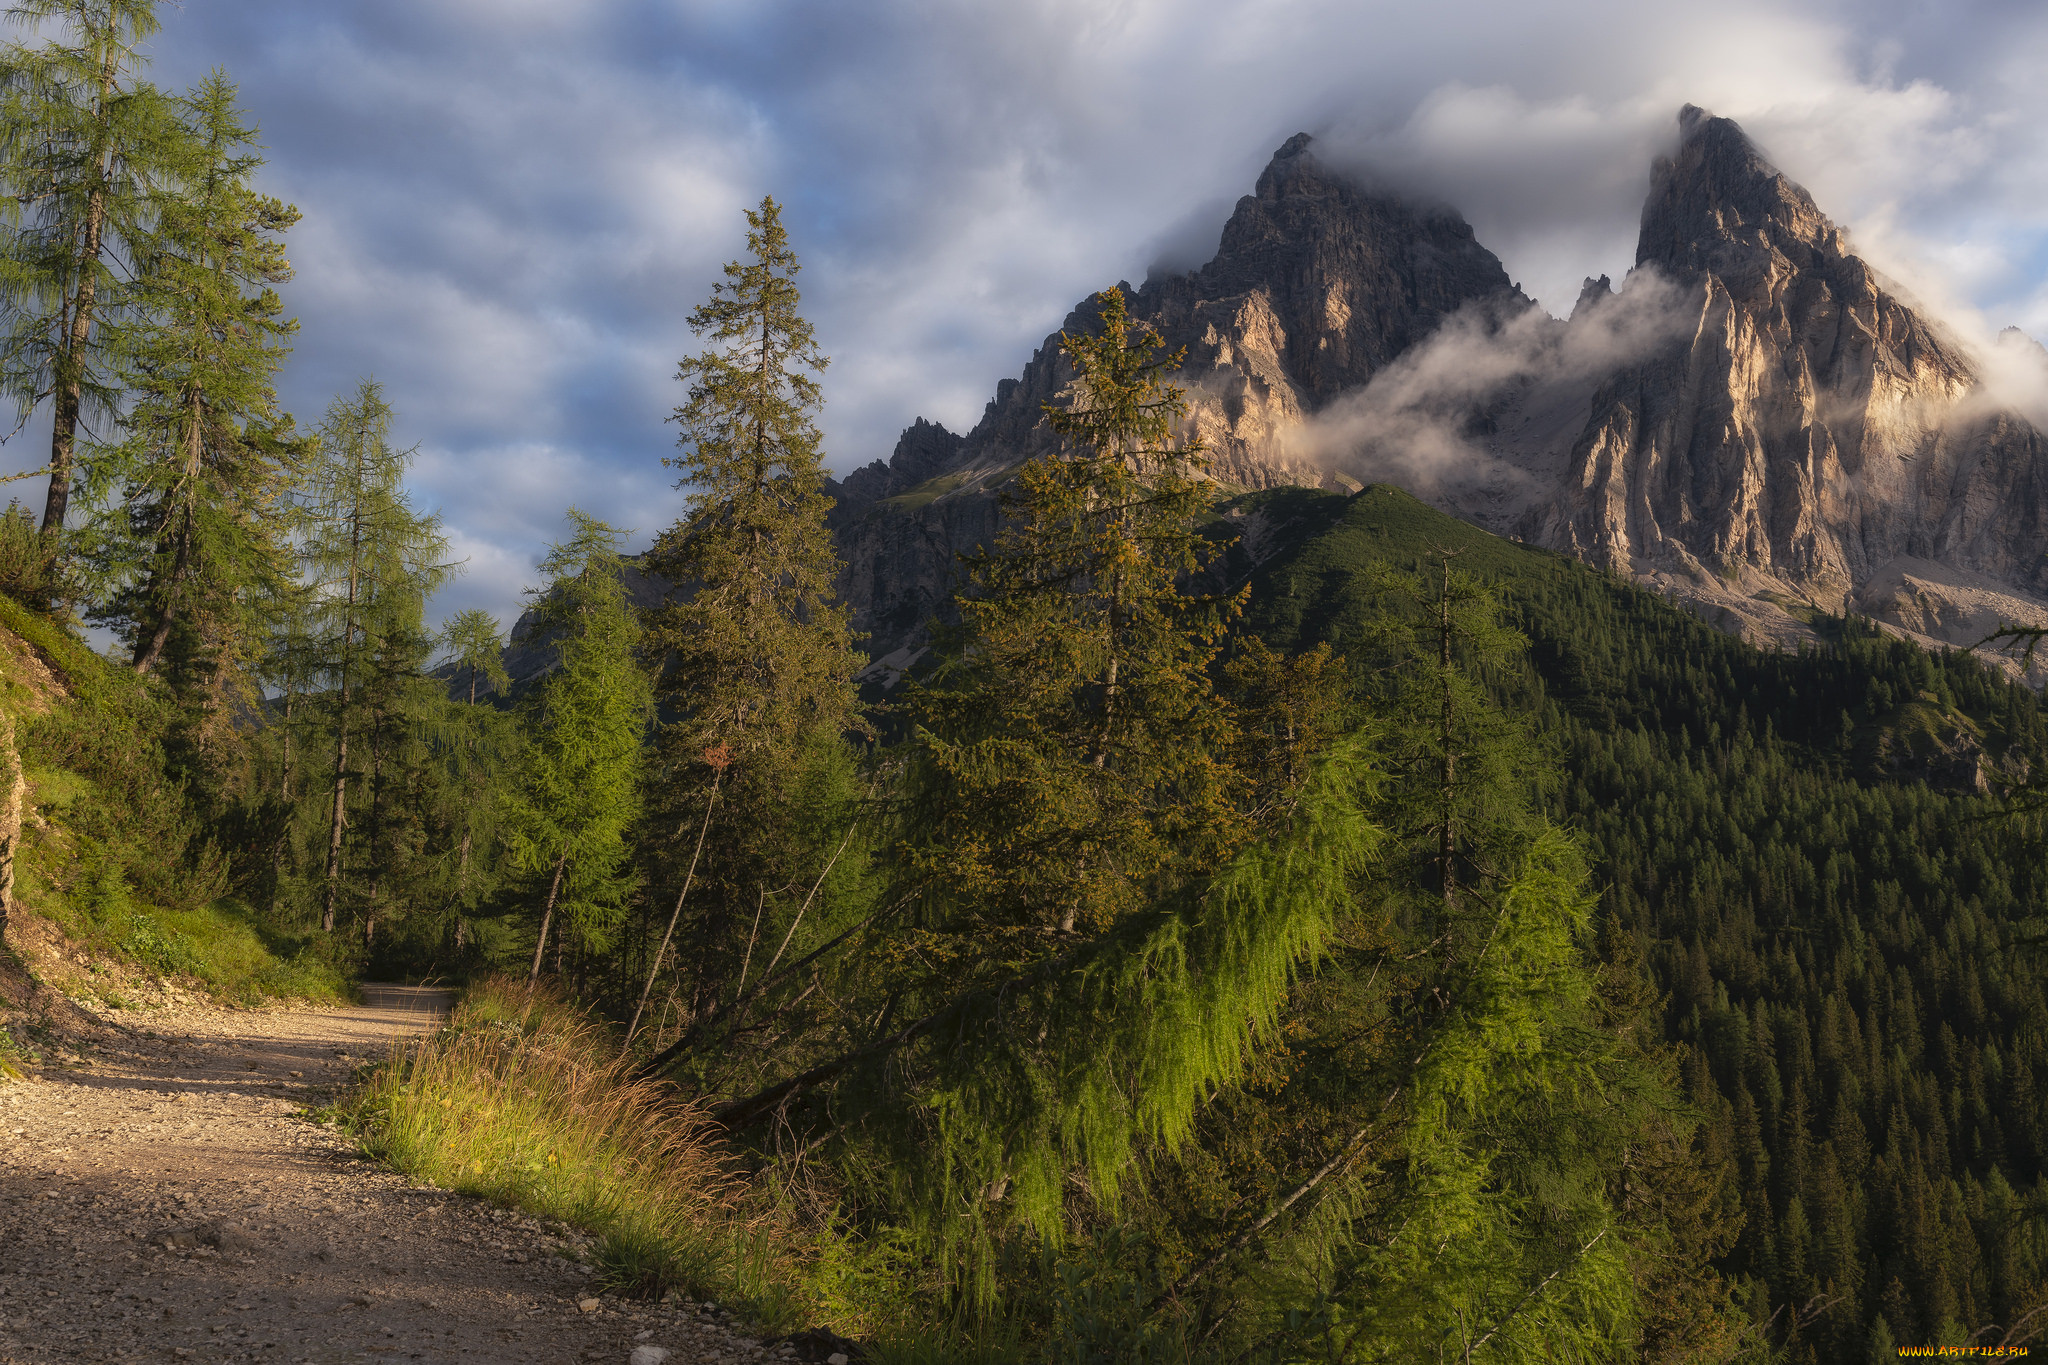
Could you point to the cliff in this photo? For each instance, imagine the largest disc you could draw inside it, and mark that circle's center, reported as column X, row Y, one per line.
column 1803, row 436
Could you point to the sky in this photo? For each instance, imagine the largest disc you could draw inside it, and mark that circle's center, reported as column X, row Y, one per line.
column 511, row 206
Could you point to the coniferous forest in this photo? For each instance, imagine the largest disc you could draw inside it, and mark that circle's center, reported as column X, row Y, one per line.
column 1409, row 945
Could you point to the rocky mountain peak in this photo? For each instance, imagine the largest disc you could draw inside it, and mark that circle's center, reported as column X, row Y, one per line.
column 1718, row 205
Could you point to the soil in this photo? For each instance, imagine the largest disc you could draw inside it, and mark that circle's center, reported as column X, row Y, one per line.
column 165, row 1195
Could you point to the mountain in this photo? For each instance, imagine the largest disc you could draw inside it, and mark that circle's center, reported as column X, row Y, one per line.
column 1805, row 437
column 1318, row 283
column 1756, row 424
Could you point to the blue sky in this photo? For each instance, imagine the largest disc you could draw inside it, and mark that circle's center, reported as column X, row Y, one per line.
column 511, row 205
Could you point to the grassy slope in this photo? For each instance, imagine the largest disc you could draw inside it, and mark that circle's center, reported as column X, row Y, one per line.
column 95, row 916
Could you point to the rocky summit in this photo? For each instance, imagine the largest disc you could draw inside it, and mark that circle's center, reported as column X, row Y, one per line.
column 1804, row 437
column 1755, row 422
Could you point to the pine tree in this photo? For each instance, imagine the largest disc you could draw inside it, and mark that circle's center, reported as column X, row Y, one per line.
column 1095, row 934
column 371, row 561
column 757, row 657
column 579, row 789
column 84, row 144
column 475, row 646
column 189, row 531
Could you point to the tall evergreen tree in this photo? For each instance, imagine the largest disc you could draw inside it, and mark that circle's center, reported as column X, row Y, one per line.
column 1076, row 755
column 191, row 534
column 372, row 561
column 83, row 145
column 755, row 662
column 1095, row 926
column 579, row 789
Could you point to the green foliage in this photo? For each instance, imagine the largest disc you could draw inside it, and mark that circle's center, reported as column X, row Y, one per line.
column 369, row 561
column 1073, row 757
column 756, row 657
column 1831, row 932
column 475, row 646
column 752, row 658
column 25, row 564
column 579, row 782
column 188, row 535
column 84, row 145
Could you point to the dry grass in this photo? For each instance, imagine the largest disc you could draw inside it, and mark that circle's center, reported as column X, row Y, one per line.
column 529, row 1106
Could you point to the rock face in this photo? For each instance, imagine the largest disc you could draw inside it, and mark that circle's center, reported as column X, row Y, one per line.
column 1804, row 434
column 1318, row 282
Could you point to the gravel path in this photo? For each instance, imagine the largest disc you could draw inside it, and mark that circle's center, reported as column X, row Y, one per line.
column 163, row 1198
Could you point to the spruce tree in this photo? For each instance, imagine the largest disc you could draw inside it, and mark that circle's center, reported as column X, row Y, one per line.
column 371, row 561
column 755, row 664
column 578, row 794
column 84, row 145
column 189, row 531
column 1074, row 757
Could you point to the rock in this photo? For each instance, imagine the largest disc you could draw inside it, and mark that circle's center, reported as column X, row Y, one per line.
column 587, row 1305
column 227, row 1238
column 647, row 1355
column 820, row 1347
column 1803, row 432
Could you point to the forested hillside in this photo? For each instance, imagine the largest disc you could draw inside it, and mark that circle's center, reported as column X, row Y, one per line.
column 1798, row 846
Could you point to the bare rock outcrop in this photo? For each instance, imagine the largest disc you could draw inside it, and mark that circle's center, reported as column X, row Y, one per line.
column 1805, row 433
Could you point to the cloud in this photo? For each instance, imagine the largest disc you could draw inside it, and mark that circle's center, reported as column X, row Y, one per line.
column 512, row 205
column 1432, row 420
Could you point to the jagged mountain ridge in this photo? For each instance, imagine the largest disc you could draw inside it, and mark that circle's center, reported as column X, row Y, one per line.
column 1756, row 423
column 1318, row 282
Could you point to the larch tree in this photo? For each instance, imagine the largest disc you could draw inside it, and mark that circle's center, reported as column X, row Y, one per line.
column 84, row 145
column 578, row 793
column 755, row 661
column 372, row 561
column 188, row 532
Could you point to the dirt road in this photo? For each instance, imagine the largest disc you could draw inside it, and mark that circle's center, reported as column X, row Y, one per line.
column 163, row 1198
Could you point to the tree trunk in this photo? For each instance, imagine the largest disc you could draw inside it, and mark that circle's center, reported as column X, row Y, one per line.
column 147, row 652
column 716, row 775
column 547, row 917
column 13, row 791
column 340, row 818
column 69, row 377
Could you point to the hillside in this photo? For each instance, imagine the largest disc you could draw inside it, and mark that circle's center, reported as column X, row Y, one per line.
column 1799, row 847
column 118, row 897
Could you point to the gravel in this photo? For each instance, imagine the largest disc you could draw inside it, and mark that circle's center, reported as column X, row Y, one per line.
column 165, row 1197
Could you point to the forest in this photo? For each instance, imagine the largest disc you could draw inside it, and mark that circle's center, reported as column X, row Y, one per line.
column 1409, row 945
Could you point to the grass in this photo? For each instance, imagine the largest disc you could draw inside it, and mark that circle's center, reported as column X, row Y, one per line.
column 530, row 1107
column 926, row 493
column 102, row 857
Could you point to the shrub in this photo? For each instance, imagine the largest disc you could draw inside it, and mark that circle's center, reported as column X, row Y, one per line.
column 24, row 558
